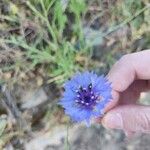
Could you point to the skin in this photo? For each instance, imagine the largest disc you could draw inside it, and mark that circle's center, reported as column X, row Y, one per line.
column 129, row 77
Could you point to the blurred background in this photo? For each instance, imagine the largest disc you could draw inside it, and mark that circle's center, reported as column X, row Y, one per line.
column 42, row 44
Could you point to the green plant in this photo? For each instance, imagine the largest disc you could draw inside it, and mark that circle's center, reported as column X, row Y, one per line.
column 56, row 51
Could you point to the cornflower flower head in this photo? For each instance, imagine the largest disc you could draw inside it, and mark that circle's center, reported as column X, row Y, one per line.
column 86, row 96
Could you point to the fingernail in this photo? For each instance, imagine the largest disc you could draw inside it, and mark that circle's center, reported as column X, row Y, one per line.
column 113, row 120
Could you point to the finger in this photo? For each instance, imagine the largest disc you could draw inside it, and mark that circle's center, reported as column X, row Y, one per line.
column 132, row 94
column 130, row 118
column 128, row 68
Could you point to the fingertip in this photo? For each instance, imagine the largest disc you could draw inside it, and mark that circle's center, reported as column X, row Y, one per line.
column 113, row 120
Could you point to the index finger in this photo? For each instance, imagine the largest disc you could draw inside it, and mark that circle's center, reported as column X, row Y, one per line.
column 129, row 68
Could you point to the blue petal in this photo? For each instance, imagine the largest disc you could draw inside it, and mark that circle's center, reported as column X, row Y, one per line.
column 71, row 85
column 83, row 79
column 66, row 104
column 103, row 85
column 78, row 114
column 69, row 95
column 106, row 95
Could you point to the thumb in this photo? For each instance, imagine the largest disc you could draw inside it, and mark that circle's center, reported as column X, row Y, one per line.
column 130, row 118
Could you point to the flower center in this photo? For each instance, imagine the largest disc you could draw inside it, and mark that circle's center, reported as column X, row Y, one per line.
column 86, row 97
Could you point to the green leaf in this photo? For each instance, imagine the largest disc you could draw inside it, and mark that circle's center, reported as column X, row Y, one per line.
column 3, row 124
column 59, row 16
column 77, row 6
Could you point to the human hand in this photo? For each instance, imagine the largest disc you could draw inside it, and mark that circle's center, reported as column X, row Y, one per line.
column 129, row 77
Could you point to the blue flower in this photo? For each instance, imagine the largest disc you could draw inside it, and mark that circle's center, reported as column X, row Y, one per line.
column 86, row 96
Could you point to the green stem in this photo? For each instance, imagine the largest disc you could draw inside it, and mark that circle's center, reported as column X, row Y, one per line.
column 50, row 5
column 67, row 147
column 127, row 21
column 44, row 18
